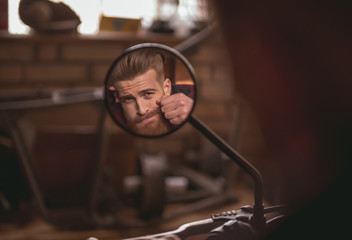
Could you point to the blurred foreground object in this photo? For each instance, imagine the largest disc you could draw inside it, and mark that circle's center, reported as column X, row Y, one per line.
column 48, row 17
column 292, row 63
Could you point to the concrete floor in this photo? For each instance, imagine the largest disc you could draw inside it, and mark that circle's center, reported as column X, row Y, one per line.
column 37, row 229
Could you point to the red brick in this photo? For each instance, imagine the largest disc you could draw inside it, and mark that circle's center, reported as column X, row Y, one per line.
column 19, row 51
column 203, row 72
column 91, row 52
column 10, row 73
column 99, row 72
column 56, row 72
column 223, row 72
column 219, row 91
column 211, row 110
column 48, row 52
column 209, row 53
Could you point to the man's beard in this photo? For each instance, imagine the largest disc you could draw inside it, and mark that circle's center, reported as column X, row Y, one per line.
column 158, row 126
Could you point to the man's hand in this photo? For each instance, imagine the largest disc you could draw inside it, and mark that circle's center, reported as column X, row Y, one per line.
column 176, row 107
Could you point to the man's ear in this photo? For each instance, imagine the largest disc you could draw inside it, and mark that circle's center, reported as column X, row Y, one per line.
column 114, row 92
column 167, row 87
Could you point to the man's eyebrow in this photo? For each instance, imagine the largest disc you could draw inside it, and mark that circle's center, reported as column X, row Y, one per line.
column 126, row 96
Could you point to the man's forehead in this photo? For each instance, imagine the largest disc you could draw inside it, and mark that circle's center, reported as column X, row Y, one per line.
column 146, row 80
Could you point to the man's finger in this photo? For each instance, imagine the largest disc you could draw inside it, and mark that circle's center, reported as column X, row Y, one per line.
column 171, row 106
column 172, row 114
column 172, row 98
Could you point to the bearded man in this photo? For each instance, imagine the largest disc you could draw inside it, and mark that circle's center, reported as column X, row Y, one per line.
column 150, row 105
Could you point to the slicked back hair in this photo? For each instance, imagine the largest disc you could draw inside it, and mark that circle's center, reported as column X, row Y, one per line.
column 136, row 63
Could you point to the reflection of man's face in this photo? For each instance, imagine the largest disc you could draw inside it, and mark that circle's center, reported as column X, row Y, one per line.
column 138, row 98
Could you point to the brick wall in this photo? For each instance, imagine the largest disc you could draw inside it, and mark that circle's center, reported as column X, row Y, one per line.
column 71, row 61
column 36, row 62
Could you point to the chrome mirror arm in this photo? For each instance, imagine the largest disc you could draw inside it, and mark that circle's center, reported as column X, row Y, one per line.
column 258, row 218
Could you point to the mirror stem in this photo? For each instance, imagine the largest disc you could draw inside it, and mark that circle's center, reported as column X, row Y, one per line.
column 258, row 218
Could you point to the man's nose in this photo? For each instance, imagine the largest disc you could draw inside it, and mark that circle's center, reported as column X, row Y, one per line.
column 142, row 108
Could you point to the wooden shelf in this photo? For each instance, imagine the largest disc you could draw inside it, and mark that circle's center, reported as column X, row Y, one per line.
column 141, row 36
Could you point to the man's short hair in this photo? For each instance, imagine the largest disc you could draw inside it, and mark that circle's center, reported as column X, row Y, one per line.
column 136, row 63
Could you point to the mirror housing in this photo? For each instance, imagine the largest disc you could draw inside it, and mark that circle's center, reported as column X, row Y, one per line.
column 150, row 90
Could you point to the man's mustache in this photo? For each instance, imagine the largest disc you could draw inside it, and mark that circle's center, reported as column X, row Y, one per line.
column 151, row 113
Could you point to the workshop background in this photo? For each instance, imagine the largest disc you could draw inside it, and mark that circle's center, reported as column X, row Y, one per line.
column 63, row 140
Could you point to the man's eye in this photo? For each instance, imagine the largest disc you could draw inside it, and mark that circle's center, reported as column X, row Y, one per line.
column 148, row 94
column 127, row 100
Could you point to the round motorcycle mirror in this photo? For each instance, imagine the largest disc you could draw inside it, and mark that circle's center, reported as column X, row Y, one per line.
column 150, row 90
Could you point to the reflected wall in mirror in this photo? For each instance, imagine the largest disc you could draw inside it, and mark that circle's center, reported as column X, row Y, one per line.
column 150, row 90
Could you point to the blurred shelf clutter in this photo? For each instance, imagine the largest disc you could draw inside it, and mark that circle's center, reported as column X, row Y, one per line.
column 173, row 17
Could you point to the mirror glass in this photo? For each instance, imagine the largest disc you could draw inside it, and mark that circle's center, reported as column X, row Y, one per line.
column 150, row 90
